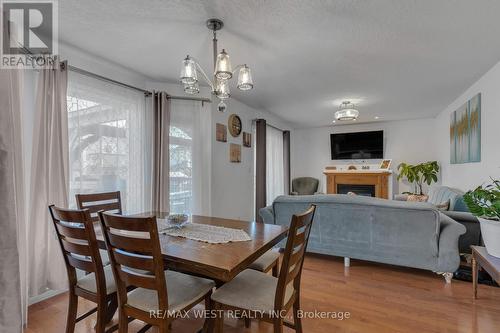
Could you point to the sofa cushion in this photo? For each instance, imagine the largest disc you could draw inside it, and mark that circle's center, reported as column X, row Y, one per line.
column 439, row 194
column 444, row 205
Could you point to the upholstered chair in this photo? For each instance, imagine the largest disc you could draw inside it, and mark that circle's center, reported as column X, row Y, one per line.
column 304, row 186
column 143, row 286
column 75, row 231
column 267, row 297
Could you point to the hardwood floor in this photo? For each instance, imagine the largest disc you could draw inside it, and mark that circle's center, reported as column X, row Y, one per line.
column 379, row 298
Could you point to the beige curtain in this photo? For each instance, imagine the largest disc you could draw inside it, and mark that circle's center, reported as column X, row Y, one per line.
column 160, row 180
column 13, row 296
column 49, row 181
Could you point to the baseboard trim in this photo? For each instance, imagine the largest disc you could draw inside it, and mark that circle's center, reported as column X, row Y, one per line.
column 46, row 295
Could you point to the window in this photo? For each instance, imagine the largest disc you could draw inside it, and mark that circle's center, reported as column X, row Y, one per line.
column 189, row 157
column 107, row 140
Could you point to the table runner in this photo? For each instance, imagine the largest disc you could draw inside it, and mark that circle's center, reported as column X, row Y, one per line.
column 208, row 233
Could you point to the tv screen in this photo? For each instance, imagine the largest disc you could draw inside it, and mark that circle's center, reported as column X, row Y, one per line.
column 357, row 146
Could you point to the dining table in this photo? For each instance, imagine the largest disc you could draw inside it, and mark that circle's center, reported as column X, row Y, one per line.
column 219, row 262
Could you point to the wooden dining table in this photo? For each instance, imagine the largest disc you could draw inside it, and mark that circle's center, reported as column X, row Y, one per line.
column 219, row 262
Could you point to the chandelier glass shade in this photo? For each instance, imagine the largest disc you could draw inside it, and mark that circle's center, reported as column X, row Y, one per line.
column 223, row 71
column 245, row 78
column 188, row 72
column 346, row 111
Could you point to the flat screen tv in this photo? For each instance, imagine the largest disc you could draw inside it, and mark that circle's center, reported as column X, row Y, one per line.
column 357, row 146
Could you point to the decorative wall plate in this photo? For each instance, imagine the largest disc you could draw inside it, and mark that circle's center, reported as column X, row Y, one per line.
column 234, row 125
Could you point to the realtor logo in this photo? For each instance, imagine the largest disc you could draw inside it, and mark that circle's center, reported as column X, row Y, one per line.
column 29, row 34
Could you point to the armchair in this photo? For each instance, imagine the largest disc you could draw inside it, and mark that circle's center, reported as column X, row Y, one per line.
column 304, row 186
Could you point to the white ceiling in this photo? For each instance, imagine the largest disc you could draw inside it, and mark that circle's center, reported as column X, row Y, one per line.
column 397, row 59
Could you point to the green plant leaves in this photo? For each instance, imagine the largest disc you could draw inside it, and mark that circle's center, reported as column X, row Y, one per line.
column 484, row 201
column 419, row 173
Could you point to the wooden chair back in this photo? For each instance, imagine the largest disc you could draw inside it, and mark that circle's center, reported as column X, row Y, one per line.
column 133, row 244
column 293, row 258
column 76, row 234
column 95, row 202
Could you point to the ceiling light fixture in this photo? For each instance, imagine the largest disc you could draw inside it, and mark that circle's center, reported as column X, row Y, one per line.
column 223, row 71
column 346, row 111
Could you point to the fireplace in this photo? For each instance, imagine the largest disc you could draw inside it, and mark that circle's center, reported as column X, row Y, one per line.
column 376, row 183
column 364, row 190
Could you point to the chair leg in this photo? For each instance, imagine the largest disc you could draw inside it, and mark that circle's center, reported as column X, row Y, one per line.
column 100, row 326
column 276, row 269
column 278, row 325
column 122, row 322
column 208, row 325
column 72, row 312
column 296, row 318
column 111, row 308
column 219, row 321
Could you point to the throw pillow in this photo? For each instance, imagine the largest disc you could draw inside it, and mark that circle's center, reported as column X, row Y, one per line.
column 444, row 205
column 418, row 198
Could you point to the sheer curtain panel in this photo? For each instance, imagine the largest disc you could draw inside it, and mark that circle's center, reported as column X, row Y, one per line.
column 13, row 297
column 275, row 176
column 109, row 148
column 189, row 157
column 49, row 181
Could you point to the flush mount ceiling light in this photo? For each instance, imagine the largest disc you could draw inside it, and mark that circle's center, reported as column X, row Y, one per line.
column 223, row 71
column 346, row 111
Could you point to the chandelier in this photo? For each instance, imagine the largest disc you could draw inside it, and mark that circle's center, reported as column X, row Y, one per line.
column 346, row 111
column 223, row 71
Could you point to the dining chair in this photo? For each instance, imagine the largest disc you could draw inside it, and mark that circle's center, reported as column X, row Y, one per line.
column 267, row 262
column 76, row 235
column 260, row 295
column 159, row 296
column 94, row 202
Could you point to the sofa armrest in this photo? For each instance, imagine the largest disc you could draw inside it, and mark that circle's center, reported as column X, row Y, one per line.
column 267, row 214
column 401, row 197
column 461, row 216
column 450, row 231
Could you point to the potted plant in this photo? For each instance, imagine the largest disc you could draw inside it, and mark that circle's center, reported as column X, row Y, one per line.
column 418, row 174
column 484, row 202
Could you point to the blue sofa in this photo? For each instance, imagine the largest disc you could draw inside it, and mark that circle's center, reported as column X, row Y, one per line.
column 458, row 211
column 386, row 231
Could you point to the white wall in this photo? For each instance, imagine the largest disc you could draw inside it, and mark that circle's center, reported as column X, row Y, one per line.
column 469, row 175
column 233, row 183
column 410, row 141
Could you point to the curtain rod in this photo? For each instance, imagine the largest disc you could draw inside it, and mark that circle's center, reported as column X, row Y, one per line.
column 268, row 124
column 146, row 92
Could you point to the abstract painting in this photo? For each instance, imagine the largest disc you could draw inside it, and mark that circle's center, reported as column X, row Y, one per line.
column 465, row 132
